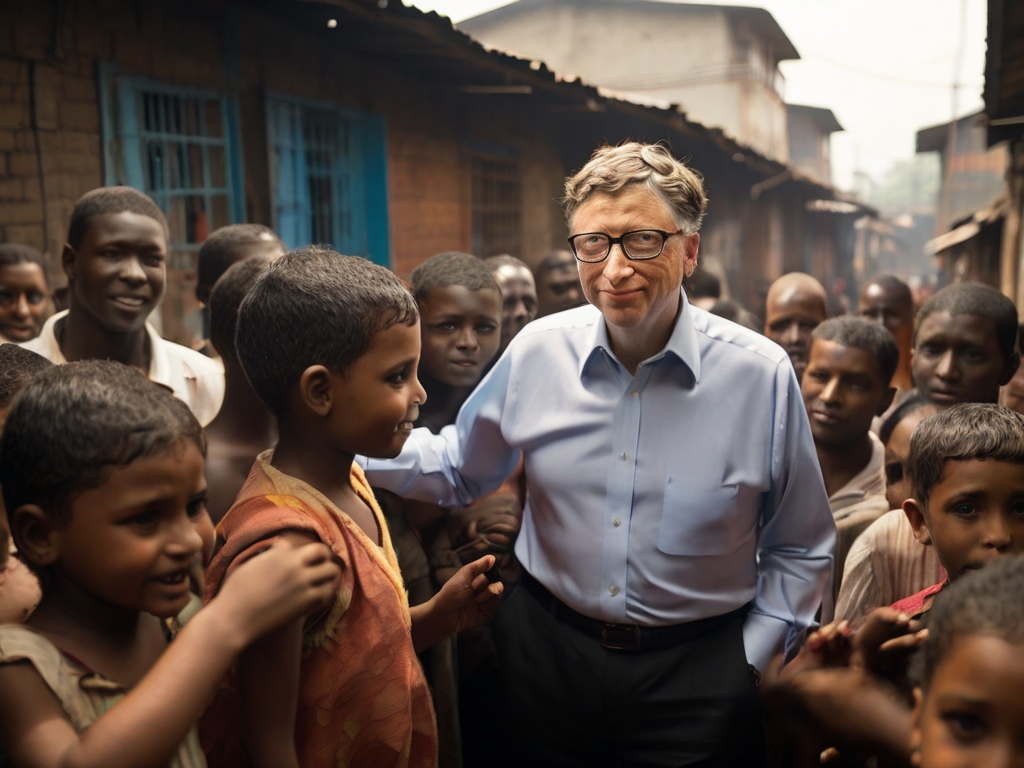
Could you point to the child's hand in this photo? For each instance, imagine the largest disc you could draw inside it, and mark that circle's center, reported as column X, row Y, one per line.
column 884, row 642
column 828, row 646
column 468, row 598
column 283, row 583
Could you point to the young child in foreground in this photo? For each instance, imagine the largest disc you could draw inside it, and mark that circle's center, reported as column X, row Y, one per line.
column 969, row 694
column 343, row 688
column 102, row 476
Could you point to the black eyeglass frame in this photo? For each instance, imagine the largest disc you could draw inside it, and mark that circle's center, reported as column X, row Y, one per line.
column 612, row 241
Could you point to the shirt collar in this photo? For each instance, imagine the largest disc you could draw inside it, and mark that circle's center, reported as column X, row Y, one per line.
column 682, row 343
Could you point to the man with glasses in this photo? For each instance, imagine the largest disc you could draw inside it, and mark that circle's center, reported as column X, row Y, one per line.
column 677, row 533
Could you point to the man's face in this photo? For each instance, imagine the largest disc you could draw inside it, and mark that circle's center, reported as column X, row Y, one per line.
column 843, row 391
column 118, row 271
column 558, row 288
column 957, row 360
column 634, row 294
column 23, row 301
column 519, row 300
column 789, row 320
column 975, row 514
column 461, row 333
column 897, row 486
column 879, row 305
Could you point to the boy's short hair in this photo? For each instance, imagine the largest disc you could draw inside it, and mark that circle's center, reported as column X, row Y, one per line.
column 225, row 299
column 111, row 200
column 964, row 432
column 74, row 422
column 494, row 263
column 899, row 413
column 975, row 299
column 12, row 254
column 861, row 333
column 315, row 307
column 18, row 366
column 216, row 253
column 984, row 603
column 452, row 268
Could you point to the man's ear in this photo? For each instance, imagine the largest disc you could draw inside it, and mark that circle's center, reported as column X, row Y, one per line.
column 35, row 534
column 1011, row 368
column 690, row 248
column 67, row 261
column 890, row 393
column 315, row 389
column 915, row 727
column 914, row 511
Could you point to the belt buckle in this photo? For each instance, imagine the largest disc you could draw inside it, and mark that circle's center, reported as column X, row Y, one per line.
column 621, row 637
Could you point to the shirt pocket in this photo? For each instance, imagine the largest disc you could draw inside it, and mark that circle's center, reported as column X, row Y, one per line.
column 698, row 521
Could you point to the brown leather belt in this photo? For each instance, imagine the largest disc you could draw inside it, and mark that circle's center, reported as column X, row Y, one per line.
column 625, row 637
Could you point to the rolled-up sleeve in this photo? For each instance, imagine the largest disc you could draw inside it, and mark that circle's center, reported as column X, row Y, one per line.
column 797, row 536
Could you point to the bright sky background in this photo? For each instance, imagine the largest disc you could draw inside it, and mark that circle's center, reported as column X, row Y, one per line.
column 884, row 67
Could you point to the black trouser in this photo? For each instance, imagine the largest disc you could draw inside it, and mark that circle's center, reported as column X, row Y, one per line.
column 575, row 702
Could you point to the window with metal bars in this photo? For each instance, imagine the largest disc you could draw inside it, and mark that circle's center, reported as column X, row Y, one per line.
column 497, row 190
column 328, row 177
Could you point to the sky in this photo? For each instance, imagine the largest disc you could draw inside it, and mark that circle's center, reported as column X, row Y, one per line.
column 884, row 67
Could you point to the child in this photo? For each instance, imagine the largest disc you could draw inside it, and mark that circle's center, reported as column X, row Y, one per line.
column 460, row 308
column 969, row 699
column 244, row 428
column 115, row 260
column 24, row 293
column 845, row 386
column 102, row 476
column 966, row 466
column 518, row 293
column 346, row 688
column 224, row 247
column 964, row 340
column 19, row 588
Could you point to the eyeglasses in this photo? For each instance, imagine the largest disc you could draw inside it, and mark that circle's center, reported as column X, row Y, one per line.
column 638, row 245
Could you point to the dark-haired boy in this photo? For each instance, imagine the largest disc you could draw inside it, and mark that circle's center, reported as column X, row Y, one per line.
column 243, row 428
column 24, row 293
column 518, row 294
column 964, row 340
column 344, row 687
column 115, row 259
column 845, row 386
column 966, row 466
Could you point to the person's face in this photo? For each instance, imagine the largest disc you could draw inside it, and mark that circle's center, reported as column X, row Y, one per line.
column 973, row 515
column 1012, row 395
column 957, row 360
column 519, row 300
column 117, row 273
column 461, row 333
column 374, row 404
column 878, row 305
column 972, row 715
column 130, row 541
column 23, row 294
column 843, row 391
column 897, row 487
column 634, row 294
column 558, row 288
column 790, row 318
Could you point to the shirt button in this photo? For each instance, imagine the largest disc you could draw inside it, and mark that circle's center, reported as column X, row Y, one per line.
column 624, row 457
column 614, row 590
column 636, row 394
column 617, row 522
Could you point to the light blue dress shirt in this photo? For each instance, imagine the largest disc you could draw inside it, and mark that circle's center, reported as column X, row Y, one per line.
column 683, row 492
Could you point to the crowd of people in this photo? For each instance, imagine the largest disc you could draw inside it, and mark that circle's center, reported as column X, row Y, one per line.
column 593, row 513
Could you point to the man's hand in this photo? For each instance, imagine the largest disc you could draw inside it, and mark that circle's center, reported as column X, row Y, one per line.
column 467, row 600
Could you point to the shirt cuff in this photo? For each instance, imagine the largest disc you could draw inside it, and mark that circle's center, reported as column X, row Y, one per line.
column 762, row 638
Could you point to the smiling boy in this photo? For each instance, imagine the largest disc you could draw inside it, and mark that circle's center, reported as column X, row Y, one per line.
column 966, row 466
column 115, row 260
column 964, row 339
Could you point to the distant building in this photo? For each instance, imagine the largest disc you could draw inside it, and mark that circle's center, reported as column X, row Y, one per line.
column 719, row 62
column 810, row 140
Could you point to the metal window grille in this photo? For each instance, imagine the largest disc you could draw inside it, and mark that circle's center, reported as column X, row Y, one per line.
column 497, row 206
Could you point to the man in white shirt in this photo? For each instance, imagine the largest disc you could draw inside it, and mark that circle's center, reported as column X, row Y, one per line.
column 115, row 260
column 677, row 533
